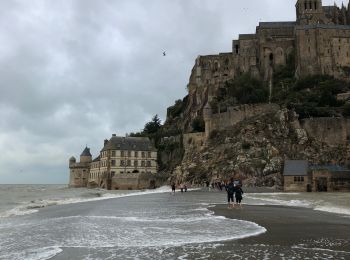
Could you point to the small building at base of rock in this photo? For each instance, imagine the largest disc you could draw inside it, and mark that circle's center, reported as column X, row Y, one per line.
column 300, row 176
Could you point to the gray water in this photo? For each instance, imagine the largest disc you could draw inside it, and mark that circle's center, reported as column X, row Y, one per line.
column 54, row 222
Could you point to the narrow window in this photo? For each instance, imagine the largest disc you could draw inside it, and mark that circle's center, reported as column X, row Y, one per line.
column 129, row 153
column 136, row 163
column 129, row 162
column 148, row 163
column 113, row 162
column 136, row 154
column 113, row 153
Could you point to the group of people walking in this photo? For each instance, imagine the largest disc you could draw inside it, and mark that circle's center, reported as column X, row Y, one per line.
column 234, row 191
column 183, row 188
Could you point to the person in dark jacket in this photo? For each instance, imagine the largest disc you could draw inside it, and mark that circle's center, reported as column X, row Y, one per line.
column 238, row 195
column 230, row 189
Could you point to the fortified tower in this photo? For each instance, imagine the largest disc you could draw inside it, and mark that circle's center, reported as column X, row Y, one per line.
column 79, row 171
column 310, row 12
column 86, row 156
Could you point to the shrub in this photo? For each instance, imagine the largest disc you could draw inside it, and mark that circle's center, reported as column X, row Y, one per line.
column 247, row 90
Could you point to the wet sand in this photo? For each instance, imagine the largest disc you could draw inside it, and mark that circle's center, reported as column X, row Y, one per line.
column 293, row 227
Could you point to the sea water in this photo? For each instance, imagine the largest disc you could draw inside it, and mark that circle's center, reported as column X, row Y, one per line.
column 54, row 222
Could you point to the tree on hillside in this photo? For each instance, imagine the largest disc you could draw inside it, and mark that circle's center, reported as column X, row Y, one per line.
column 247, row 90
column 152, row 126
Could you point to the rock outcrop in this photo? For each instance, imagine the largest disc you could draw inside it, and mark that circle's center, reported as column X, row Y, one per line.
column 254, row 150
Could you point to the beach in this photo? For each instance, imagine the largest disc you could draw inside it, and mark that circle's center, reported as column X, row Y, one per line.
column 293, row 226
column 53, row 222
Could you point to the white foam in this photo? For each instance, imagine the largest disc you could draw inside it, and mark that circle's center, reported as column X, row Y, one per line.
column 320, row 249
column 158, row 220
column 44, row 253
column 332, row 209
column 18, row 211
column 291, row 203
column 315, row 204
column 32, row 207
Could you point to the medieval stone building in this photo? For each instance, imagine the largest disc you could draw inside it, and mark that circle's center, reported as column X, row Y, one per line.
column 300, row 176
column 319, row 42
column 123, row 163
column 79, row 171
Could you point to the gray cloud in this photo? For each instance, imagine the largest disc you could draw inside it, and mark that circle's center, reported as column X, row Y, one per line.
column 73, row 72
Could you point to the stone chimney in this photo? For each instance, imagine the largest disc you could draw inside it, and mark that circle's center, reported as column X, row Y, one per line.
column 105, row 142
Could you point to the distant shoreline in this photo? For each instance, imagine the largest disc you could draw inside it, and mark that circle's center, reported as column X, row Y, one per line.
column 291, row 226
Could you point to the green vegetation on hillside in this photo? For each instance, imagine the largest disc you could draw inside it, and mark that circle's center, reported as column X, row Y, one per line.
column 177, row 109
column 242, row 90
column 312, row 96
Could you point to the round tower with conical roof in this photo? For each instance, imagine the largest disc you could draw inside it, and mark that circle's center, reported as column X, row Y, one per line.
column 72, row 161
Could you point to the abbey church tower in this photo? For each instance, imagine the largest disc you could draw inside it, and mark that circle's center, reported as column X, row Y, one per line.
column 310, row 12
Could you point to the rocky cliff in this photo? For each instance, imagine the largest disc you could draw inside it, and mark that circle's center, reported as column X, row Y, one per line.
column 255, row 148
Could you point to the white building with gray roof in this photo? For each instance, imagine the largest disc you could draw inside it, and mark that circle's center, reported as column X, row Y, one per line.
column 127, row 156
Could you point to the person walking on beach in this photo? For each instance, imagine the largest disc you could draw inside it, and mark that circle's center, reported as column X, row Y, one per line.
column 238, row 195
column 230, row 189
column 173, row 188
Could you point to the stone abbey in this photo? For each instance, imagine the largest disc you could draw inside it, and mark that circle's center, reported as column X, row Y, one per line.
column 319, row 40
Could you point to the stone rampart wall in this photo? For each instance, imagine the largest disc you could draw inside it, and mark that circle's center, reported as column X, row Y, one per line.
column 234, row 115
column 332, row 131
column 137, row 181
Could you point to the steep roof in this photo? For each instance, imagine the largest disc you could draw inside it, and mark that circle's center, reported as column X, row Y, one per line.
column 98, row 158
column 86, row 152
column 295, row 168
column 129, row 143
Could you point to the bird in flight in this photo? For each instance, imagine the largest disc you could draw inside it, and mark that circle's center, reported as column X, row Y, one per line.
column 164, row 53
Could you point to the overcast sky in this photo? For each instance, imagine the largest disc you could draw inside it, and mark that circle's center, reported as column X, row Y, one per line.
column 73, row 72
